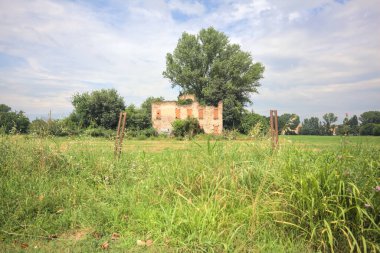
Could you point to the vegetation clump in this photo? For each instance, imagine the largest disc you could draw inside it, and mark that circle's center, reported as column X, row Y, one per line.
column 186, row 128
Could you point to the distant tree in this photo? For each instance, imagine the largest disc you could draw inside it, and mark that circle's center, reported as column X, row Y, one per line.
column 213, row 69
column 328, row 124
column 353, row 124
column 137, row 118
column 370, row 117
column 311, row 126
column 13, row 121
column 4, row 108
column 288, row 123
column 249, row 121
column 100, row 108
column 368, row 129
column 376, row 130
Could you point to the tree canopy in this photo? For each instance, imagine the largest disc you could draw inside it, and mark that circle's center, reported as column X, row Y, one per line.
column 100, row 108
column 328, row 124
column 288, row 123
column 210, row 67
column 311, row 126
column 370, row 117
column 15, row 121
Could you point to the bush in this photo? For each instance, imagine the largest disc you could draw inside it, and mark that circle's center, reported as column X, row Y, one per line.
column 100, row 132
column 250, row 120
column 135, row 133
column 230, row 134
column 63, row 127
column 149, row 132
column 39, row 127
column 258, row 131
column 188, row 127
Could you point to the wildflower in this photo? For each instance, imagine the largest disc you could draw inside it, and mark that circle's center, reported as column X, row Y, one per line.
column 377, row 188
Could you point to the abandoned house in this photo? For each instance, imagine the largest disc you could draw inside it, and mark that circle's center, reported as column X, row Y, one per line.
column 164, row 113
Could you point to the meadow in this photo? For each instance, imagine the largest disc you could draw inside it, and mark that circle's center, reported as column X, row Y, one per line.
column 312, row 194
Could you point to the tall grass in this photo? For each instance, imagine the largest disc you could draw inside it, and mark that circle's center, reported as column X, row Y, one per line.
column 217, row 196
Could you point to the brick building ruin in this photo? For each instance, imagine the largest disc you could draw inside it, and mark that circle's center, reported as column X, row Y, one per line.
column 164, row 113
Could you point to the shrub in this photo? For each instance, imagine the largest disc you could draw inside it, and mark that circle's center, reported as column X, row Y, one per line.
column 250, row 120
column 188, row 127
column 230, row 134
column 39, row 127
column 257, row 130
column 149, row 132
column 63, row 127
column 100, row 132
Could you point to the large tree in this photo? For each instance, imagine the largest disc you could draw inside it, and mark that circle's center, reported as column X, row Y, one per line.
column 100, row 108
column 214, row 69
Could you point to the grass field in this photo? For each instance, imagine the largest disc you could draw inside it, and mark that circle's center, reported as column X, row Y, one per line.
column 163, row 195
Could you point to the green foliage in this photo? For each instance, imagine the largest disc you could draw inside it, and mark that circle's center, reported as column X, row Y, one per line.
column 312, row 126
column 100, row 132
column 353, row 124
column 258, row 131
column 146, row 106
column 141, row 134
column 370, row 117
column 100, row 107
column 187, row 101
column 141, row 118
column 369, row 129
column 4, row 108
column 288, row 123
column 213, row 69
column 137, row 118
column 186, row 128
column 250, row 120
column 63, row 127
column 230, row 134
column 328, row 124
column 13, row 122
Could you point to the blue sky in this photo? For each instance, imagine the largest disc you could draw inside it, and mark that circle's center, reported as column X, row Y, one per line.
column 320, row 56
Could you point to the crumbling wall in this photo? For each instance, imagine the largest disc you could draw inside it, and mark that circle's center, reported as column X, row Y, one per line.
column 210, row 117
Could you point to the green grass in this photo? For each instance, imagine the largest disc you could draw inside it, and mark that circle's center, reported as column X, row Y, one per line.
column 71, row 195
column 332, row 141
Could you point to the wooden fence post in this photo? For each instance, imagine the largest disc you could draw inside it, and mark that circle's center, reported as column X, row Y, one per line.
column 274, row 127
column 120, row 134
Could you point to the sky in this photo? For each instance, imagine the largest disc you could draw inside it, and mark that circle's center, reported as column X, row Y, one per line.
column 319, row 56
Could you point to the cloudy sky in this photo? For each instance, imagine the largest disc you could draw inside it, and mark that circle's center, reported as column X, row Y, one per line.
column 320, row 56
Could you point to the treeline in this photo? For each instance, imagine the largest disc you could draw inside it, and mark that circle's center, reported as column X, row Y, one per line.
column 96, row 114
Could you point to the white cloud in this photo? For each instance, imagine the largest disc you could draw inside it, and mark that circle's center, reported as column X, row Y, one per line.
column 313, row 51
column 187, row 8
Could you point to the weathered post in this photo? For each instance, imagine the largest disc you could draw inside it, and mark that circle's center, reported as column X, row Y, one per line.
column 120, row 134
column 274, row 127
